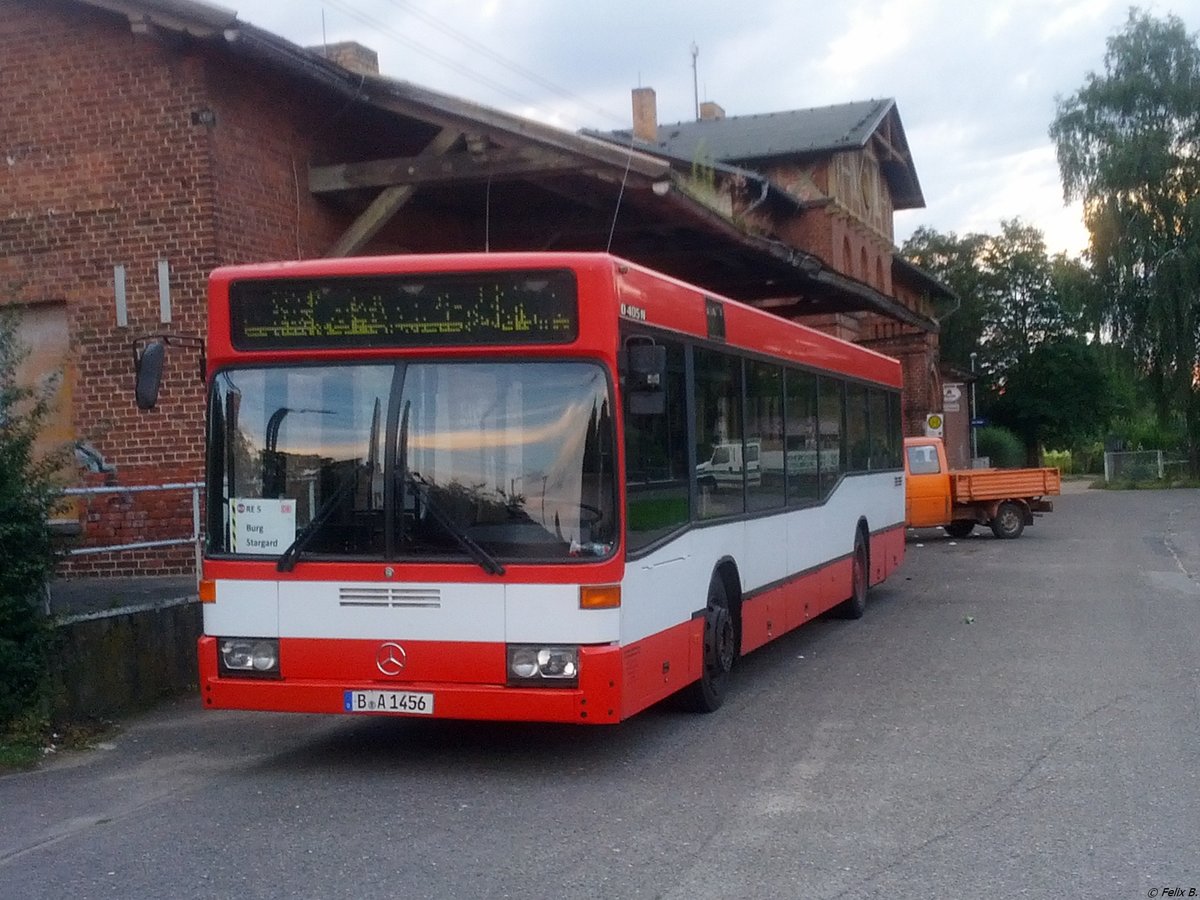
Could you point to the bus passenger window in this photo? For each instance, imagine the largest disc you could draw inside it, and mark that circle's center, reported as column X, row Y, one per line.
column 882, row 455
column 802, row 444
column 858, row 438
column 764, row 436
column 656, row 494
column 720, row 453
column 831, row 440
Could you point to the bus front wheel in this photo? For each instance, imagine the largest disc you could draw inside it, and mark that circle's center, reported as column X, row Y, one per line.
column 720, row 649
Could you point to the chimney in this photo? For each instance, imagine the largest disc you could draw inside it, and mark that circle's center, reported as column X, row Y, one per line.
column 711, row 112
column 645, row 115
column 350, row 55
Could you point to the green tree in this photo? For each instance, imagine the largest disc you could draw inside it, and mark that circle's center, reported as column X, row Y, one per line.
column 1058, row 395
column 1009, row 291
column 1021, row 308
column 954, row 261
column 1080, row 296
column 1128, row 146
column 28, row 495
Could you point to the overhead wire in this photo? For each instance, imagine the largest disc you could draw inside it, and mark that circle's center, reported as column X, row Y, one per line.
column 512, row 66
column 476, row 46
column 423, row 50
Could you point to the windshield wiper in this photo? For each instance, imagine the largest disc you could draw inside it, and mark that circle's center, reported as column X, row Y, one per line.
column 486, row 561
column 287, row 559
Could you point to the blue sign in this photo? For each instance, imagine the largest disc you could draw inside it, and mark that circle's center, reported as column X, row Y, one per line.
column 978, row 423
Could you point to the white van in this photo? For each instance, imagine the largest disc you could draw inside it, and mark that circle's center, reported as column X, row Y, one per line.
column 729, row 461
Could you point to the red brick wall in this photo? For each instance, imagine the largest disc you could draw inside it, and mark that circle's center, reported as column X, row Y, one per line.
column 121, row 149
column 104, row 167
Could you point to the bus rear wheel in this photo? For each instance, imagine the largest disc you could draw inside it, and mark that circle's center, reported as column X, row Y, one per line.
column 855, row 605
column 720, row 650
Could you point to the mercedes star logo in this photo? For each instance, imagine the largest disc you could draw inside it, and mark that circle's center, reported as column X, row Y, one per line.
column 390, row 658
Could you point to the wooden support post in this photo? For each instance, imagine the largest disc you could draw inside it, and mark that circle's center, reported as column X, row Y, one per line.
column 388, row 203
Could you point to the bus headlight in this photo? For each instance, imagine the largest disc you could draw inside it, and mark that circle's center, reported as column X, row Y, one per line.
column 249, row 656
column 548, row 665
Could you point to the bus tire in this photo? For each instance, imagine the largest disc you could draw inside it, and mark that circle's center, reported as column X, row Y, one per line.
column 960, row 528
column 855, row 605
column 1009, row 521
column 720, row 649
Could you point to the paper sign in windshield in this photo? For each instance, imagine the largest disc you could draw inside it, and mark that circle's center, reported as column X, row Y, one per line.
column 262, row 526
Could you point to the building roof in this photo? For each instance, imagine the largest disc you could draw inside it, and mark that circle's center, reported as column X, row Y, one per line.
column 749, row 140
column 657, row 220
column 827, row 129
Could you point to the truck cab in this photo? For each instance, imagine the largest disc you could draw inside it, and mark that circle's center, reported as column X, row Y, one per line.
column 927, row 493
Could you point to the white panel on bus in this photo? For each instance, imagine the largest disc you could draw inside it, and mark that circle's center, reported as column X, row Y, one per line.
column 662, row 589
column 243, row 609
column 543, row 613
column 667, row 586
column 382, row 610
column 766, row 559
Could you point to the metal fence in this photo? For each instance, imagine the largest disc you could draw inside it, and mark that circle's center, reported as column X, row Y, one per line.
column 1142, row 465
column 194, row 539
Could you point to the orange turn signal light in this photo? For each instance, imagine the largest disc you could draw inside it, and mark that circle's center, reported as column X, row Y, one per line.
column 208, row 591
column 599, row 596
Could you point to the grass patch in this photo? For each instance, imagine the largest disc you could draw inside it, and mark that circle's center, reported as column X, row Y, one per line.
column 29, row 740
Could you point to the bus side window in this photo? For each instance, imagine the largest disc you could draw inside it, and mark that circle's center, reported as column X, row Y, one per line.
column 802, row 442
column 830, row 433
column 720, row 470
column 656, row 469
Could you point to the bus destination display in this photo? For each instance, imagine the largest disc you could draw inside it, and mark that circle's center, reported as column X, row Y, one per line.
column 520, row 307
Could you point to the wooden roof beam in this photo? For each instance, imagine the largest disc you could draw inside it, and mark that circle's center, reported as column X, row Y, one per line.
column 494, row 162
column 389, row 202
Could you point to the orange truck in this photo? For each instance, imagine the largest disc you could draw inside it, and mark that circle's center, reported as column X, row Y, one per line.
column 960, row 499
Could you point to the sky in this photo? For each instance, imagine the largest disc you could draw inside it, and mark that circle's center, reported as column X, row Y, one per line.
column 975, row 83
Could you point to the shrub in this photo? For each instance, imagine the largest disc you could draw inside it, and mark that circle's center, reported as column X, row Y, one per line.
column 28, row 495
column 1002, row 446
column 1059, row 459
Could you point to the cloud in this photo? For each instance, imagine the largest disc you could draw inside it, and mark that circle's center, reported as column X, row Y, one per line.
column 975, row 82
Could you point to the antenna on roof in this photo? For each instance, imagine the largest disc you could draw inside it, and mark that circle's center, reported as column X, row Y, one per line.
column 695, row 81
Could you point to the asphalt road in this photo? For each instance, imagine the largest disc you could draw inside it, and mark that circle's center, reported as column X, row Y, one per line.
column 1010, row 719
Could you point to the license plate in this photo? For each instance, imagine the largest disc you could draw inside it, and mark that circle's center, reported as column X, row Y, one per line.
column 410, row 702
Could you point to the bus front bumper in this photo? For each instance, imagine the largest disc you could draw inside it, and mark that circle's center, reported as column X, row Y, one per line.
column 596, row 700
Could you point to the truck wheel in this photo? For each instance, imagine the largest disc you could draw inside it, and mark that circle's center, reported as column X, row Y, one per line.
column 856, row 604
column 959, row 528
column 720, row 650
column 1009, row 521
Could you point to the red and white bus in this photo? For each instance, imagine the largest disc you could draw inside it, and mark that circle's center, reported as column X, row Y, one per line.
column 529, row 486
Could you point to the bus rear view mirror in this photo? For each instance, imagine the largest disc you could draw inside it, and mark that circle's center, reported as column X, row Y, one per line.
column 148, row 366
column 645, row 379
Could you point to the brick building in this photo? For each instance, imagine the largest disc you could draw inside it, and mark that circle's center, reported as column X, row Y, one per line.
column 847, row 168
column 146, row 142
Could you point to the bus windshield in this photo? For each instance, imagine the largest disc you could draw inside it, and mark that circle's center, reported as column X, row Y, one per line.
column 429, row 461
